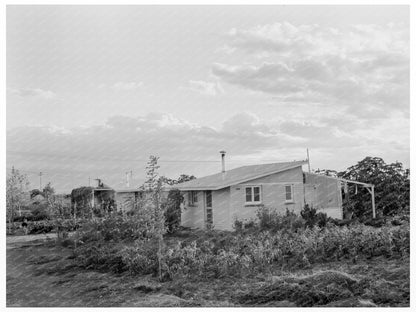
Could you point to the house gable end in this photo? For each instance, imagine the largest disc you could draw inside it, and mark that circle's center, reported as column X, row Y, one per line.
column 290, row 175
column 297, row 167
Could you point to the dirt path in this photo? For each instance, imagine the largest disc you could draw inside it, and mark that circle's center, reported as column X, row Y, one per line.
column 13, row 241
column 40, row 274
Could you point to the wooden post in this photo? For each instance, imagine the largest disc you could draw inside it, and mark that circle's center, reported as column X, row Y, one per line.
column 373, row 202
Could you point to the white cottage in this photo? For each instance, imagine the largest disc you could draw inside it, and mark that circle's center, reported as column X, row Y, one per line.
column 221, row 198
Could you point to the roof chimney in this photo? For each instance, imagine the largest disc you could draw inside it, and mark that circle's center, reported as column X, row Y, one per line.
column 222, row 161
column 127, row 179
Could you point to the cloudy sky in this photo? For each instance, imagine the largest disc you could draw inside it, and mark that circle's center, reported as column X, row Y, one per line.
column 92, row 91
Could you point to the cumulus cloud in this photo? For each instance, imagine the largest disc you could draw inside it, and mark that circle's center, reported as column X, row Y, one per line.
column 288, row 39
column 361, row 69
column 124, row 138
column 123, row 142
column 168, row 136
column 246, row 123
column 206, row 87
column 36, row 92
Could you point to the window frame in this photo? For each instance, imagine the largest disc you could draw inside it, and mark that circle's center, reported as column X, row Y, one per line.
column 208, row 194
column 253, row 202
column 291, row 200
column 193, row 198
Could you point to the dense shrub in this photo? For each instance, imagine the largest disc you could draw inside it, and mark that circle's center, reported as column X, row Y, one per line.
column 141, row 258
column 270, row 219
column 21, row 218
column 241, row 254
column 40, row 227
column 172, row 209
column 31, row 217
column 114, row 228
column 63, row 226
column 312, row 217
column 121, row 243
column 40, row 213
column 260, row 251
column 100, row 257
column 241, row 226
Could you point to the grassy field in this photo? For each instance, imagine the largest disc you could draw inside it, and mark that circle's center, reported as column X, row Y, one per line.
column 41, row 273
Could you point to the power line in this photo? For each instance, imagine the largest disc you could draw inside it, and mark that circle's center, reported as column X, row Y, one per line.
column 108, row 158
column 12, row 168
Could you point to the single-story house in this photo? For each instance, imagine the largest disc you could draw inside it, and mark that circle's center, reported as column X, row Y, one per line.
column 221, row 198
column 125, row 198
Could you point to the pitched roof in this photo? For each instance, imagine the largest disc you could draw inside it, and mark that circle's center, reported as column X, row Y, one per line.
column 238, row 175
column 128, row 190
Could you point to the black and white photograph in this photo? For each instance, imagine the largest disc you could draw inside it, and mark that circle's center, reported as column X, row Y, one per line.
column 207, row 155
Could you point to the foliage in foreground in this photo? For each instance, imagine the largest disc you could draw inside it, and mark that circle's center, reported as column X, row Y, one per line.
column 334, row 288
column 217, row 254
column 273, row 220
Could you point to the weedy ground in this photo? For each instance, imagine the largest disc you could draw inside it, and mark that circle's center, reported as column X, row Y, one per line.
column 41, row 273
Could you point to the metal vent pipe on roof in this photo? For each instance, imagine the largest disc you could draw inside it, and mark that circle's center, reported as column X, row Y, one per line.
column 222, row 161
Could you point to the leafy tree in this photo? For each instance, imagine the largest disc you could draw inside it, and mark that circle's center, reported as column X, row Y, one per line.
column 16, row 188
column 327, row 172
column 48, row 191
column 182, row 178
column 172, row 210
column 392, row 187
column 172, row 206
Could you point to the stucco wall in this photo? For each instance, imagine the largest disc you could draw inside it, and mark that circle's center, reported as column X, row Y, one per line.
column 324, row 194
column 291, row 175
column 220, row 209
column 193, row 216
column 273, row 197
column 124, row 201
column 273, row 194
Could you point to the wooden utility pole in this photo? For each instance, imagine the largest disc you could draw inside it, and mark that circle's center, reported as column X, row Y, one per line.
column 309, row 164
column 40, row 181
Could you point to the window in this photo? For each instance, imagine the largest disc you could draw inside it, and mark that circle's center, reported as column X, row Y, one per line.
column 208, row 209
column 208, row 198
column 193, row 198
column 289, row 193
column 253, row 194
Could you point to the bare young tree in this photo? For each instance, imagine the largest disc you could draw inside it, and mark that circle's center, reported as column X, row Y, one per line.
column 153, row 188
column 16, row 187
